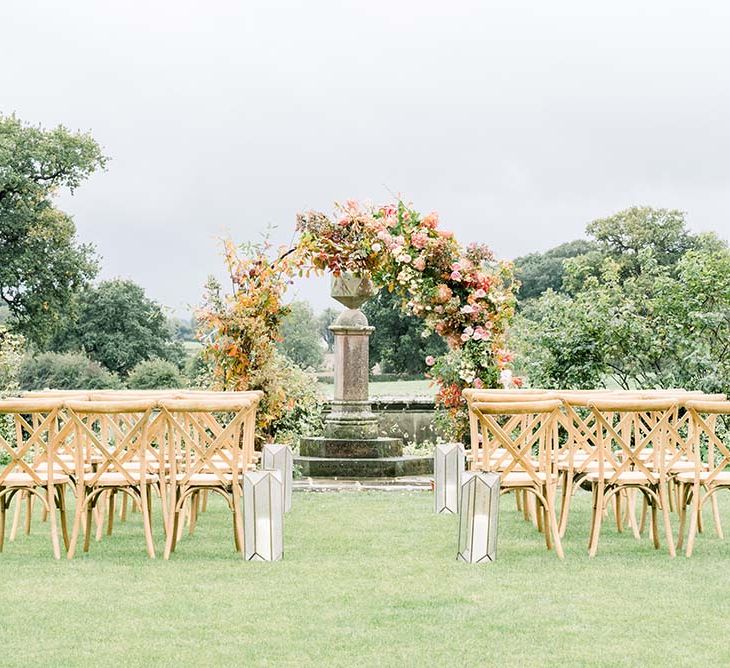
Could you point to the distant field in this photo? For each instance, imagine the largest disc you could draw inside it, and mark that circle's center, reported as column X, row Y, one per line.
column 391, row 388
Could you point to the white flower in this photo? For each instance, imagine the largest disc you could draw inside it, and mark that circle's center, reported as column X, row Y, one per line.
column 506, row 378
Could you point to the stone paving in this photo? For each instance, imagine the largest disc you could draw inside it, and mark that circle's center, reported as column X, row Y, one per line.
column 415, row 483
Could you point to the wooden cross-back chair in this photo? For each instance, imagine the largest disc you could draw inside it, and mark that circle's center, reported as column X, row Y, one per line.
column 122, row 457
column 710, row 456
column 518, row 441
column 34, row 467
column 216, row 439
column 621, row 464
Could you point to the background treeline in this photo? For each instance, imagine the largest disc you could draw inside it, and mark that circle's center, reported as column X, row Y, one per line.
column 639, row 302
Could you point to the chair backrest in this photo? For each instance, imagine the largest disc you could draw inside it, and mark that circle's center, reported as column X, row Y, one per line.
column 625, row 428
column 33, row 446
column 706, row 445
column 116, row 437
column 516, row 436
column 211, row 434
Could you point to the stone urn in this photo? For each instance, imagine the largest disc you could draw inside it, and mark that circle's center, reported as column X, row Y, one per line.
column 352, row 290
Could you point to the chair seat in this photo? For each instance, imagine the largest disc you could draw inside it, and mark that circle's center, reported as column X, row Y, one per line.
column 116, row 479
column 206, row 479
column 722, row 478
column 682, row 467
column 25, row 479
column 624, row 478
column 521, row 479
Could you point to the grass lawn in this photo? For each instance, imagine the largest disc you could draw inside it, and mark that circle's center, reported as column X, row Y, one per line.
column 368, row 579
column 392, row 388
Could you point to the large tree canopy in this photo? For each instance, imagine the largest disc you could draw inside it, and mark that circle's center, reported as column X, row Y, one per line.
column 649, row 308
column 117, row 325
column 42, row 264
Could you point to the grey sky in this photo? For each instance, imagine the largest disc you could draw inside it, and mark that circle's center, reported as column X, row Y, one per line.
column 518, row 121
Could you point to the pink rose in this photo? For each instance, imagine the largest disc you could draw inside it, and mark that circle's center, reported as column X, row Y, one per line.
column 419, row 240
column 480, row 294
column 455, row 276
column 430, row 360
column 431, row 220
column 419, row 263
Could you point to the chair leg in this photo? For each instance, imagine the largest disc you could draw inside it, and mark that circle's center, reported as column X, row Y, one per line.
column 89, row 523
column 598, row 507
column 172, row 522
column 654, row 525
column 693, row 519
column 16, row 516
column 525, row 507
column 102, row 501
column 28, row 512
column 552, row 521
column 110, row 512
column 194, row 505
column 716, row 517
column 670, row 494
column 664, row 495
column 618, row 511
column 683, row 490
column 78, row 520
column 61, row 503
column 146, row 521
column 539, row 515
column 2, row 522
column 51, row 501
column 518, row 500
column 123, row 509
column 631, row 513
column 644, row 511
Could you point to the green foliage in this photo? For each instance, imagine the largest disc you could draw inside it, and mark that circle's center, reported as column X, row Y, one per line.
column 181, row 329
column 538, row 272
column 398, row 343
column 291, row 396
column 300, row 336
column 11, row 356
column 325, row 319
column 65, row 371
column 42, row 264
column 155, row 375
column 651, row 309
column 117, row 325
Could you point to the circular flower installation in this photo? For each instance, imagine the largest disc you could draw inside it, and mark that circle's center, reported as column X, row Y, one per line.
column 463, row 294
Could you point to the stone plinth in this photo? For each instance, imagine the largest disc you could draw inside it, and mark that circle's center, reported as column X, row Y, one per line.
column 350, row 446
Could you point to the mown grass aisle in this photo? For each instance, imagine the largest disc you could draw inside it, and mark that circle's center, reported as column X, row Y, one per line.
column 368, row 579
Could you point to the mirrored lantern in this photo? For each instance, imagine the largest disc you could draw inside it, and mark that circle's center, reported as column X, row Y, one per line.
column 478, row 517
column 277, row 457
column 448, row 469
column 263, row 516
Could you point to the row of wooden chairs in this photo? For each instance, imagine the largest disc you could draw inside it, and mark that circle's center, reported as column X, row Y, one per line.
column 100, row 445
column 661, row 445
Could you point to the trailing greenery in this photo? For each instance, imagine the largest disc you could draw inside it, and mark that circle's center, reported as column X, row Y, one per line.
column 42, row 263
column 155, row 375
column 65, row 371
column 648, row 307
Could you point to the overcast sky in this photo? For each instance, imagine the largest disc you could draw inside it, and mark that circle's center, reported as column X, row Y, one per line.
column 518, row 121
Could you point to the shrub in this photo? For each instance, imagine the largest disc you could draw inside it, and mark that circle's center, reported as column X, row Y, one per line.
column 155, row 374
column 11, row 356
column 65, row 371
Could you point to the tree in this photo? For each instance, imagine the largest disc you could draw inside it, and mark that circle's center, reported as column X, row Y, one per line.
column 65, row 371
column 11, row 355
column 42, row 264
column 117, row 325
column 155, row 375
column 326, row 318
column 538, row 272
column 645, row 311
column 397, row 343
column 300, row 336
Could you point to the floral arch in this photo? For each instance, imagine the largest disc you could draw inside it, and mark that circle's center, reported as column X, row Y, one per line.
column 463, row 294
